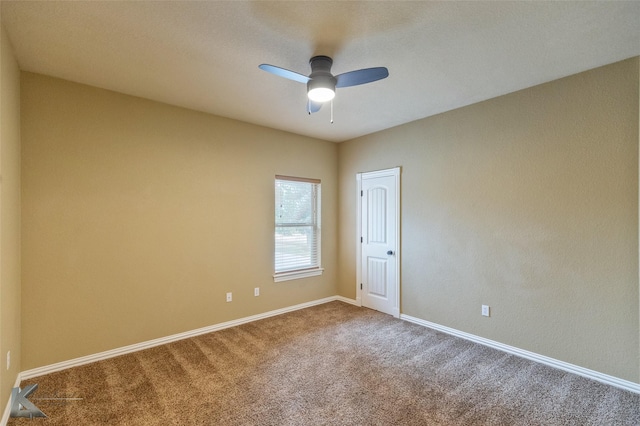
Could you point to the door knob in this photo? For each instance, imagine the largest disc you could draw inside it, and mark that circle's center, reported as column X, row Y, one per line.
column 390, row 252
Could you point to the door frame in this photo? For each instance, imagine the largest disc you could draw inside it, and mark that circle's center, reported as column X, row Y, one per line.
column 395, row 172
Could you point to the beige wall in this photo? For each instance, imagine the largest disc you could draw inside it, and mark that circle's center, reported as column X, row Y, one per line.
column 527, row 203
column 9, row 217
column 138, row 217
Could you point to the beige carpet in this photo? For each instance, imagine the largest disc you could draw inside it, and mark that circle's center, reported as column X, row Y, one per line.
column 333, row 364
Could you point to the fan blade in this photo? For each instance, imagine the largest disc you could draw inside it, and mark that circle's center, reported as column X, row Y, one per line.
column 313, row 106
column 281, row 72
column 368, row 75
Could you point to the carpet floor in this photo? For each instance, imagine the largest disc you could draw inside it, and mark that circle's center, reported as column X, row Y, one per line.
column 331, row 364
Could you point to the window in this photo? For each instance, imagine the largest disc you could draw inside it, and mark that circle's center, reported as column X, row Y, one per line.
column 297, row 228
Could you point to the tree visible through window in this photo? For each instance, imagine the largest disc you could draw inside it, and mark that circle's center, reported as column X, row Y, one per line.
column 297, row 228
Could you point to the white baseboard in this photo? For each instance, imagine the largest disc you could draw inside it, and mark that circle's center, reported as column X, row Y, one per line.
column 347, row 300
column 571, row 368
column 47, row 369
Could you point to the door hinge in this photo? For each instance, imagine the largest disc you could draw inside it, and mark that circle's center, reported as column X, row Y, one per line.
column 361, row 240
column 362, row 193
column 360, row 286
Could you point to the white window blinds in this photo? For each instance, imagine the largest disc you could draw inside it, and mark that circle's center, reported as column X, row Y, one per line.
column 297, row 226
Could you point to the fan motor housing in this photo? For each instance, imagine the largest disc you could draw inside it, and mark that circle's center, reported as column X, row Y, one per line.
column 321, row 76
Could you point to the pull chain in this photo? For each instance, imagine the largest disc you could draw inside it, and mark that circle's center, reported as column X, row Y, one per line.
column 331, row 111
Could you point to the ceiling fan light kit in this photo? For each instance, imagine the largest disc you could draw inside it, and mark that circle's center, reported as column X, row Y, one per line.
column 321, row 84
column 321, row 91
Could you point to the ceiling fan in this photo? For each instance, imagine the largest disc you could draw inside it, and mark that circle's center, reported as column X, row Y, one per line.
column 321, row 84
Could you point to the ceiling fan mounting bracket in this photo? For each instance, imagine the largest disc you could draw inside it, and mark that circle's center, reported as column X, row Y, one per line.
column 321, row 63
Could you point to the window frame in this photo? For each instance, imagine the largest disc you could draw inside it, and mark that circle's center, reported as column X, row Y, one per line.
column 317, row 269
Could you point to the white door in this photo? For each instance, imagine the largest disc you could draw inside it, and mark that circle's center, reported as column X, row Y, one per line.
column 379, row 274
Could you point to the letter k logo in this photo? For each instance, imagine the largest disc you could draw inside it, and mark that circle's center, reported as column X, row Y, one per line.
column 21, row 406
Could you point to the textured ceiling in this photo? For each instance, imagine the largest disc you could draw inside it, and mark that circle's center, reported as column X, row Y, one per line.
column 205, row 55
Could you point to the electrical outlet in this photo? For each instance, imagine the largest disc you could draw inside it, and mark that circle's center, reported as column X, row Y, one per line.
column 8, row 359
column 485, row 310
column 229, row 297
column 256, row 291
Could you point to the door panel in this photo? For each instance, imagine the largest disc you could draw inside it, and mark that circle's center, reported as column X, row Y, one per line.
column 377, row 277
column 376, row 208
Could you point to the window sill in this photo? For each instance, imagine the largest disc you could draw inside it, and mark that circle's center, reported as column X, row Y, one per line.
column 294, row 275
